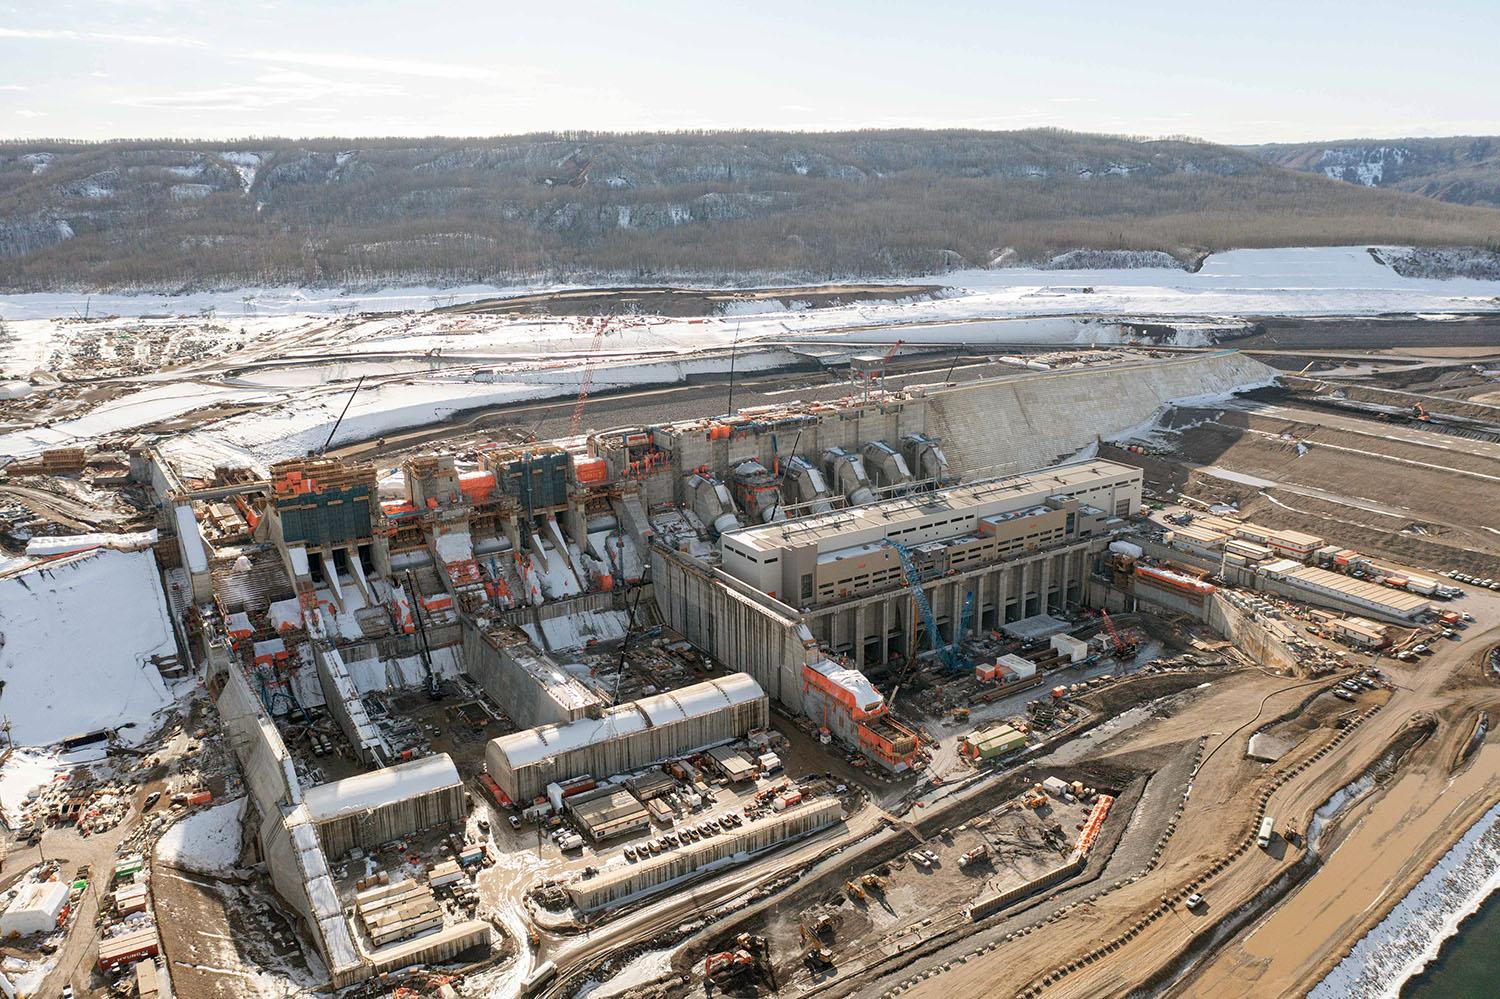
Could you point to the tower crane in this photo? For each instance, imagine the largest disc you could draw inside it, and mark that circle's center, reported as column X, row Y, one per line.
column 587, row 381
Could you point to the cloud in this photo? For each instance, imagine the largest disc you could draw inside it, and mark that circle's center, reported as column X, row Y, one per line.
column 271, row 89
column 377, row 64
column 28, row 113
column 13, row 86
column 62, row 35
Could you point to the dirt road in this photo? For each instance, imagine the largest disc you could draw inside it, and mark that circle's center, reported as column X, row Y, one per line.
column 1395, row 835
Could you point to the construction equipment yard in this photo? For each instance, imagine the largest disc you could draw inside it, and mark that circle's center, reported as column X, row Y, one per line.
column 541, row 646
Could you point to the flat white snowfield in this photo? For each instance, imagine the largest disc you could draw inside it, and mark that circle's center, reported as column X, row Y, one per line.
column 1284, row 281
column 268, row 376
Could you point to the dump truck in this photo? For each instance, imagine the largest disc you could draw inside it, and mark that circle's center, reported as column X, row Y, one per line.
column 974, row 856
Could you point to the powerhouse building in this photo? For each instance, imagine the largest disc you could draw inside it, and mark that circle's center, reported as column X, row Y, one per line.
column 1007, row 548
column 627, row 736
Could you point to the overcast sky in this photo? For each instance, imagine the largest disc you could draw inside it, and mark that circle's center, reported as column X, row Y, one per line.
column 1231, row 72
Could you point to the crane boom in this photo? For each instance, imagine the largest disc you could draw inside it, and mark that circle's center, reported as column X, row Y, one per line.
column 924, row 607
column 587, row 381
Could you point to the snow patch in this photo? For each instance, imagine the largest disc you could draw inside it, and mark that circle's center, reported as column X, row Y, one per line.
column 206, row 842
column 73, row 662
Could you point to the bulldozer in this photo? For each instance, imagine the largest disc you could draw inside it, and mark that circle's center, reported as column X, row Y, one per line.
column 821, row 928
column 872, row 882
column 818, row 958
column 854, row 890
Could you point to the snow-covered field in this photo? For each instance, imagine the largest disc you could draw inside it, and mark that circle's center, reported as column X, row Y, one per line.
column 72, row 663
column 206, row 842
column 1291, row 280
column 1413, row 933
column 292, row 361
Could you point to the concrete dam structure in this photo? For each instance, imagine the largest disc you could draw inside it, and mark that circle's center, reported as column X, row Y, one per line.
column 1029, row 420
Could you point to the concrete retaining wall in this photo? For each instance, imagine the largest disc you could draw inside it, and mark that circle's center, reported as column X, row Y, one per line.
column 520, row 694
column 745, row 630
column 257, row 744
column 991, row 904
column 1252, row 638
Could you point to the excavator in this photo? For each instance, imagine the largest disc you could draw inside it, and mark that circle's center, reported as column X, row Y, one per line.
column 1122, row 647
column 729, row 964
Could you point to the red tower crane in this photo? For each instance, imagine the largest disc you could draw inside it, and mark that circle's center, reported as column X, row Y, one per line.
column 587, row 381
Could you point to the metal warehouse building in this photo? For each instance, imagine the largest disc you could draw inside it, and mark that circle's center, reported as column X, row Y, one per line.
column 627, row 736
column 371, row 808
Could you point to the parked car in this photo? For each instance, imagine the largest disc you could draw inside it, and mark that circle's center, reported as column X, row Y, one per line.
column 1194, row 900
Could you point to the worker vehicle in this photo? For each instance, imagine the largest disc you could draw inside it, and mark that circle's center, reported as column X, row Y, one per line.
column 1344, row 695
column 539, row 979
column 1267, row 833
column 1194, row 900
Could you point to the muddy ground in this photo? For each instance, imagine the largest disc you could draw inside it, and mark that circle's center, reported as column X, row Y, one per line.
column 1373, row 333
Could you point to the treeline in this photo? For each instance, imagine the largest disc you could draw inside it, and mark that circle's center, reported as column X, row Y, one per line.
column 718, row 205
column 1462, row 169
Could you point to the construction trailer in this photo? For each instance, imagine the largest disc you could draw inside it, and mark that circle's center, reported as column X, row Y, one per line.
column 608, row 812
column 993, row 742
column 1360, row 633
column 628, row 736
column 756, row 836
column 128, row 948
column 395, row 912
column 733, row 764
column 373, row 808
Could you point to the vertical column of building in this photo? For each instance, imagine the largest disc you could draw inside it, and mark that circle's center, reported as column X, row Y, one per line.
column 861, row 637
column 1045, row 588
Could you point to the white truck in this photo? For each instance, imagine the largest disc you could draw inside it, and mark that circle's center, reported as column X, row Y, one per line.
column 1267, row 833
